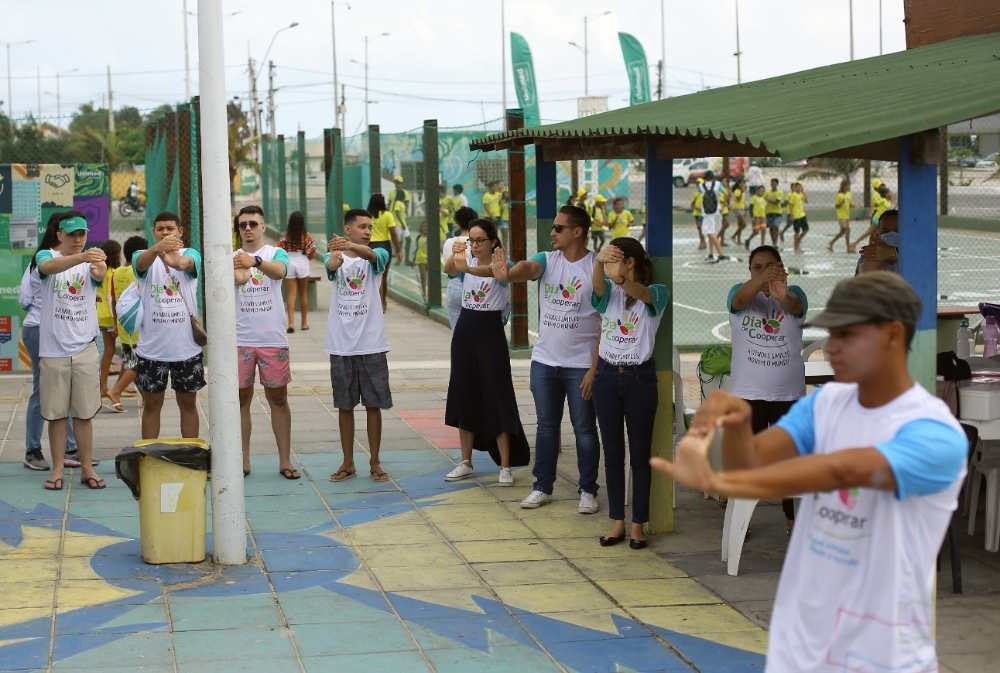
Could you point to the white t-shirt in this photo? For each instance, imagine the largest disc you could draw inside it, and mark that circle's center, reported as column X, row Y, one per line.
column 628, row 334
column 446, row 249
column 568, row 323
column 167, row 294
column 260, row 309
column 355, row 325
column 485, row 294
column 68, row 319
column 29, row 296
column 857, row 588
column 767, row 348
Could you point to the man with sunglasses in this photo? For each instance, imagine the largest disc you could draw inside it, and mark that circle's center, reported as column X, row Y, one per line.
column 261, row 338
column 167, row 273
column 562, row 362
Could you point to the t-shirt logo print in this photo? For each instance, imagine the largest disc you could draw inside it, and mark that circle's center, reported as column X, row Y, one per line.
column 569, row 290
column 848, row 496
column 357, row 281
column 256, row 277
column 628, row 326
column 172, row 287
column 480, row 294
column 772, row 324
column 69, row 291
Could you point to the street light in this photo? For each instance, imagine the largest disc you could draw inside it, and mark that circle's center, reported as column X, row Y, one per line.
column 338, row 109
column 58, row 97
column 276, row 34
column 256, row 75
column 586, row 50
column 369, row 38
column 738, row 54
column 10, row 94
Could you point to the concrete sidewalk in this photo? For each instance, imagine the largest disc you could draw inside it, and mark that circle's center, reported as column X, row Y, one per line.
column 411, row 575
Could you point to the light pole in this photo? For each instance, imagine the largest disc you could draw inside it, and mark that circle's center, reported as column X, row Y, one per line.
column 503, row 55
column 58, row 96
column 337, row 107
column 738, row 54
column 850, row 11
column 663, row 51
column 10, row 94
column 369, row 38
column 586, row 50
column 256, row 75
column 187, row 58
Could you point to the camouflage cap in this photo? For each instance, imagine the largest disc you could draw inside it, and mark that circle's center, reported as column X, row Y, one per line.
column 876, row 296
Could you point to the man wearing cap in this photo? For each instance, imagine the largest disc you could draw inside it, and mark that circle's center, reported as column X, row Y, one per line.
column 67, row 350
column 880, row 461
column 713, row 193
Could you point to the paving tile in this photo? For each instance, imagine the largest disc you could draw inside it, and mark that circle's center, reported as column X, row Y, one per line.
column 505, row 550
column 242, row 665
column 644, row 567
column 421, row 578
column 514, row 573
column 316, row 640
column 381, row 662
column 204, row 614
column 504, row 659
column 410, row 555
column 98, row 652
column 195, row 647
column 656, row 592
column 320, row 606
column 399, row 534
column 561, row 597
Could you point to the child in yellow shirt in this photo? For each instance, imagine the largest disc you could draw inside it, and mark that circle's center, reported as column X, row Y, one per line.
column 696, row 201
column 758, row 214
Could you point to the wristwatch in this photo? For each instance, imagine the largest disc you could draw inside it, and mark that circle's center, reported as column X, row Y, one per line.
column 257, row 261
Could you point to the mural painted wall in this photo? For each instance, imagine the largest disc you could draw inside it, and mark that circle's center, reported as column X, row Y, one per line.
column 29, row 195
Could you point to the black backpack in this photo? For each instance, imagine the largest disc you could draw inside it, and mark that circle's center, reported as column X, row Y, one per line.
column 951, row 369
column 710, row 202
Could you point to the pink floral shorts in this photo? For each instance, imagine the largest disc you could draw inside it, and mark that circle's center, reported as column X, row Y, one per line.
column 272, row 362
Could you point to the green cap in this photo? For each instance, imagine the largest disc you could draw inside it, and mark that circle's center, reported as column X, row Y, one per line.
column 74, row 224
column 876, row 296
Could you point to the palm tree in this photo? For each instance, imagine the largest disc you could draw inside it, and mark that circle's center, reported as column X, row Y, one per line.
column 241, row 146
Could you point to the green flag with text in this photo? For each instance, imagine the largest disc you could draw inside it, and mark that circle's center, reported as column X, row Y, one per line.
column 635, row 65
column 524, row 79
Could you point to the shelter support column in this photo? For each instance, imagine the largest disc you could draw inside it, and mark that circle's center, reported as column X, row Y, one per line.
column 432, row 210
column 545, row 196
column 918, row 262
column 659, row 245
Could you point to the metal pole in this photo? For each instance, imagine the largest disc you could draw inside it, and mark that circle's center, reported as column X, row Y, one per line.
column 879, row 27
column 111, row 106
column 503, row 52
column 271, row 127
column 663, row 51
column 366, row 81
column 333, row 33
column 739, row 76
column 187, row 56
column 586, row 49
column 228, row 508
column 850, row 9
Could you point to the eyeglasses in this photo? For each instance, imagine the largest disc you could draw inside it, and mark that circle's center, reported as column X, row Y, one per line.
column 479, row 241
column 251, row 225
column 558, row 228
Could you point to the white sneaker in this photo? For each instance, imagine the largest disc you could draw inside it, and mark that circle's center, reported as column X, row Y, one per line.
column 588, row 503
column 462, row 471
column 506, row 478
column 535, row 500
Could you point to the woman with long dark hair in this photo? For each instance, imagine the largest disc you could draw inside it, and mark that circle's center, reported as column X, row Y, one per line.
column 301, row 248
column 384, row 236
column 481, row 401
column 30, row 299
column 105, row 316
column 624, row 389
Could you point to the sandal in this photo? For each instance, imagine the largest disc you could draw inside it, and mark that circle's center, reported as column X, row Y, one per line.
column 54, row 484
column 379, row 476
column 94, row 483
column 290, row 330
column 290, row 473
column 131, row 390
column 116, row 407
column 305, row 328
column 347, row 474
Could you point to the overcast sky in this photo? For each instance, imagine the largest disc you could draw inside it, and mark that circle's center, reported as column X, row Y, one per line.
column 442, row 59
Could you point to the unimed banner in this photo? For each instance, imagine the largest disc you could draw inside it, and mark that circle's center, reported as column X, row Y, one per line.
column 638, row 71
column 524, row 79
column 29, row 195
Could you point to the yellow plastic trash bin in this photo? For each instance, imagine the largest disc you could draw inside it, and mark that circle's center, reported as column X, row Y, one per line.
column 172, row 502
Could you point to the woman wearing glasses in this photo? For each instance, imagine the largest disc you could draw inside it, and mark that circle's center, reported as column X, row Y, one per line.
column 624, row 390
column 481, row 401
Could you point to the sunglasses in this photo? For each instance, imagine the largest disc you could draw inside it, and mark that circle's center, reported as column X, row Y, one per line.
column 558, row 228
column 251, row 225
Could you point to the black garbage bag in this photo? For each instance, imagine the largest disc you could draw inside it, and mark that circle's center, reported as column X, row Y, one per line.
column 185, row 455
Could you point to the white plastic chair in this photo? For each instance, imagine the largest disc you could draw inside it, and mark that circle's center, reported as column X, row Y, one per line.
column 813, row 347
column 986, row 464
column 734, row 531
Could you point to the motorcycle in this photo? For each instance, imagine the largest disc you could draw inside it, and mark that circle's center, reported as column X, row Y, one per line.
column 128, row 205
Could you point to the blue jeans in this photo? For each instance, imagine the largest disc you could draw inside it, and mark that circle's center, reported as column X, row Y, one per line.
column 626, row 396
column 453, row 301
column 550, row 386
column 34, row 423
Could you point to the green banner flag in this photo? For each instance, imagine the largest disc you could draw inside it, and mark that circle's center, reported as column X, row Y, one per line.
column 635, row 65
column 524, row 79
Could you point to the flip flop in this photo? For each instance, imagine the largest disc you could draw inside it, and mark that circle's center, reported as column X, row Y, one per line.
column 53, row 484
column 289, row 473
column 305, row 328
column 116, row 407
column 246, row 473
column 379, row 476
column 347, row 474
column 93, row 483
column 290, row 330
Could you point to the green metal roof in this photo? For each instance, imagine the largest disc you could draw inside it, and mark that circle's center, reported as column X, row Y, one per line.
column 803, row 114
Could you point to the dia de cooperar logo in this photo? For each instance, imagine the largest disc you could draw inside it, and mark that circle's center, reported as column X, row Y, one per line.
column 479, row 295
column 628, row 326
column 772, row 324
column 70, row 291
column 569, row 290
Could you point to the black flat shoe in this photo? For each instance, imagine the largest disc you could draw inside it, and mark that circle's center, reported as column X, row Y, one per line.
column 608, row 541
column 637, row 544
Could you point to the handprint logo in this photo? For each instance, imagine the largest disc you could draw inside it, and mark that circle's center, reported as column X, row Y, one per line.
column 480, row 294
column 172, row 286
column 56, row 180
column 628, row 326
column 849, row 496
column 570, row 288
column 358, row 281
column 75, row 284
column 772, row 324
column 256, row 276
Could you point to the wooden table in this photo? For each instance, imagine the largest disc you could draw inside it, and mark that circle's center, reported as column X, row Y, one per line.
column 948, row 320
column 818, row 372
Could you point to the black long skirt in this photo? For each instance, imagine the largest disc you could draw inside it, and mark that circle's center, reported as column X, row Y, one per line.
column 480, row 390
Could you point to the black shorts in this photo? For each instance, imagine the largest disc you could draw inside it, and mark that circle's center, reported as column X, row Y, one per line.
column 800, row 225
column 187, row 376
column 381, row 245
column 360, row 378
